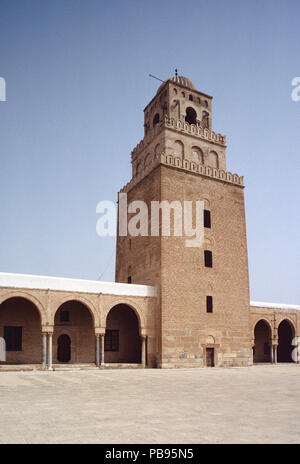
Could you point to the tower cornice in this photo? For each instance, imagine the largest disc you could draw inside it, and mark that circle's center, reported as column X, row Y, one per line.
column 173, row 161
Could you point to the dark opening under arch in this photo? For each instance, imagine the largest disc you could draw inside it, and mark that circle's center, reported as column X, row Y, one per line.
column 156, row 119
column 79, row 327
column 20, row 326
column 262, row 342
column 64, row 348
column 285, row 338
column 122, row 339
column 191, row 115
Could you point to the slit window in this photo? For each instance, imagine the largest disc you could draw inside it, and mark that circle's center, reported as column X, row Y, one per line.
column 208, row 258
column 209, row 304
column 207, row 221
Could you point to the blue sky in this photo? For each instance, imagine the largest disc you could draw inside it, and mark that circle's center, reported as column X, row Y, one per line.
column 77, row 82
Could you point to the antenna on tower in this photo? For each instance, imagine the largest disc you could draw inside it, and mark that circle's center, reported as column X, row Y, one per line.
column 154, row 77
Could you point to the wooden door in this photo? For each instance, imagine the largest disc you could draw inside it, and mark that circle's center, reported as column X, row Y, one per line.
column 210, row 357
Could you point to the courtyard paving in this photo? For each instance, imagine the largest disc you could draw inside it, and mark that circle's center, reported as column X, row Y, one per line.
column 259, row 404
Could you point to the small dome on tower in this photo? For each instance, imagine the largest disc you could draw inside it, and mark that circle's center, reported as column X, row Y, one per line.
column 181, row 80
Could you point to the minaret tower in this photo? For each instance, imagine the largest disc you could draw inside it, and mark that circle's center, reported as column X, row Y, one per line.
column 203, row 313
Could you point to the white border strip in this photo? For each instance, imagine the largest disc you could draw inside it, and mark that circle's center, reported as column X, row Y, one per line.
column 74, row 285
column 274, row 305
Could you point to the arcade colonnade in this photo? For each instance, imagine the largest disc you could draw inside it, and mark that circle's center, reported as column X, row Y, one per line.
column 275, row 332
column 49, row 320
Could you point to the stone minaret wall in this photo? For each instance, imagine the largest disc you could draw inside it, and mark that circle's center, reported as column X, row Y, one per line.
column 180, row 160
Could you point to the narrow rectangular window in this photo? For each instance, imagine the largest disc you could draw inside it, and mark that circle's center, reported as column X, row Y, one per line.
column 209, row 304
column 207, row 222
column 129, row 279
column 111, row 340
column 207, row 258
column 64, row 316
column 13, row 338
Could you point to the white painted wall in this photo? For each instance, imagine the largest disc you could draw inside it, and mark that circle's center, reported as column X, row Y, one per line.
column 74, row 285
column 274, row 305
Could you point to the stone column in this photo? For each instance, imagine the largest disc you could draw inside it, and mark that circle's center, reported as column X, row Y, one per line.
column 143, row 347
column 97, row 350
column 50, row 351
column 44, row 335
column 272, row 353
column 102, row 348
column 275, row 354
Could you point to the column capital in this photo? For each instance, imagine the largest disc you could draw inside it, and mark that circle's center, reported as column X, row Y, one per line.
column 48, row 329
column 100, row 331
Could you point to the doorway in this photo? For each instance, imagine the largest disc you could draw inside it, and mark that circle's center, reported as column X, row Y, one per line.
column 210, row 357
column 63, row 348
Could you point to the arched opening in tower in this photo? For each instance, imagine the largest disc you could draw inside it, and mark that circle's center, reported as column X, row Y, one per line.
column 156, row 119
column 191, row 115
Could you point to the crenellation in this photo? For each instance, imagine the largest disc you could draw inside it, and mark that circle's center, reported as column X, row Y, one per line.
column 179, row 126
column 197, row 131
column 178, row 163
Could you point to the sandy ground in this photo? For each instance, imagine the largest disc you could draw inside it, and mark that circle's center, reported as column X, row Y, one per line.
column 259, row 404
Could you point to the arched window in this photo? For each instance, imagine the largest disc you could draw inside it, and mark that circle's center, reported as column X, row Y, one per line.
column 179, row 148
column 147, row 160
column 157, row 149
column 191, row 97
column 213, row 160
column 191, row 115
column 156, row 119
column 138, row 168
column 205, row 120
column 197, row 155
